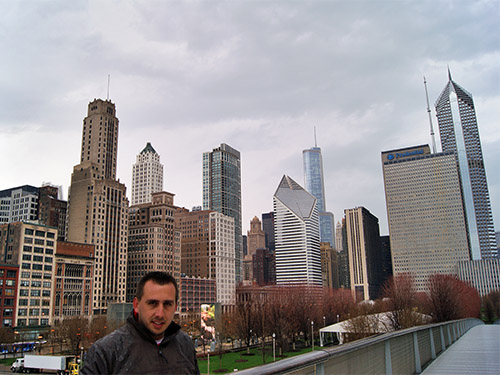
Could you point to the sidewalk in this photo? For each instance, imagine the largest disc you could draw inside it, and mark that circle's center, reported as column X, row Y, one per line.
column 477, row 352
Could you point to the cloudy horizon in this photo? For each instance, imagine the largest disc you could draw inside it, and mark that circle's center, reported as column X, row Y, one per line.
column 257, row 75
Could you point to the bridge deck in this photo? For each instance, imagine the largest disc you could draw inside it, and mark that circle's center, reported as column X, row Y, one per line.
column 477, row 352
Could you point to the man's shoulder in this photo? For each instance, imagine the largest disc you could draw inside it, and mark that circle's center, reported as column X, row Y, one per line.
column 118, row 337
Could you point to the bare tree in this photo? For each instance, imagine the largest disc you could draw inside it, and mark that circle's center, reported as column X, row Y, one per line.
column 362, row 322
column 73, row 330
column 243, row 320
column 402, row 302
column 6, row 335
column 491, row 307
column 450, row 298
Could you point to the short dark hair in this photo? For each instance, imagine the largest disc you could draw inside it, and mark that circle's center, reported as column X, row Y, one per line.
column 160, row 278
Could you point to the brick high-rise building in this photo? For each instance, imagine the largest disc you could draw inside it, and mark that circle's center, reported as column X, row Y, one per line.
column 32, row 247
column 52, row 209
column 329, row 266
column 154, row 242
column 256, row 239
column 73, row 279
column 208, row 249
column 98, row 206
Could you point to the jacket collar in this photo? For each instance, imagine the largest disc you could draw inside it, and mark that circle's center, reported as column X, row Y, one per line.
column 170, row 332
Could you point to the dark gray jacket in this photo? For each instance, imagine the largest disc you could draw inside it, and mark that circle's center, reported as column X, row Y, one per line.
column 131, row 350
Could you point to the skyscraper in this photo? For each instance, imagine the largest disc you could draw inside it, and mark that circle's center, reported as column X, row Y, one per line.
column 459, row 134
column 222, row 191
column 314, row 184
column 298, row 255
column 154, row 244
column 256, row 239
column 425, row 212
column 98, row 206
column 208, row 249
column 268, row 228
column 147, row 175
column 364, row 251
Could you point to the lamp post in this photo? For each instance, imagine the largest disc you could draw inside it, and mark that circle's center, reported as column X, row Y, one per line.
column 324, row 321
column 337, row 318
column 274, row 347
column 312, row 334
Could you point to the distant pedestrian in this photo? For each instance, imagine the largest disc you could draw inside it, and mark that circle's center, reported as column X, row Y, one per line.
column 150, row 342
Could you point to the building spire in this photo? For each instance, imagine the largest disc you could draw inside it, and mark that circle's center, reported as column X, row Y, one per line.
column 449, row 73
column 315, row 142
column 433, row 140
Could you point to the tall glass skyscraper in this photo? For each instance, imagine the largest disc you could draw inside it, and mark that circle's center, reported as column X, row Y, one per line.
column 459, row 134
column 314, row 183
column 222, row 191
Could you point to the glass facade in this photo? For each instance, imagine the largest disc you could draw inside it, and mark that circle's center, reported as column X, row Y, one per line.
column 459, row 134
column 314, row 184
column 222, row 191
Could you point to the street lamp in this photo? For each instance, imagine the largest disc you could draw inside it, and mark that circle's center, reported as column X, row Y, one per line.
column 312, row 334
column 324, row 321
column 337, row 318
column 274, row 347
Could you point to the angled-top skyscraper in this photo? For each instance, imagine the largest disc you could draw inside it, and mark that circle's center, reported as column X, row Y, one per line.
column 314, row 181
column 97, row 205
column 222, row 191
column 147, row 175
column 459, row 134
column 296, row 232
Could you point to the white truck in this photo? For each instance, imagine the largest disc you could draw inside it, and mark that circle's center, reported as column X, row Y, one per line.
column 62, row 364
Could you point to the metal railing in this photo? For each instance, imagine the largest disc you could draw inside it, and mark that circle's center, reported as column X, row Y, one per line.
column 401, row 352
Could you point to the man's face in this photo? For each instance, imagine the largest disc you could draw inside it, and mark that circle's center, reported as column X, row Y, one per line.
column 156, row 307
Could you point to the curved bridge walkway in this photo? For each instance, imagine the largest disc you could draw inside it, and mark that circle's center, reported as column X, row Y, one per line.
column 476, row 352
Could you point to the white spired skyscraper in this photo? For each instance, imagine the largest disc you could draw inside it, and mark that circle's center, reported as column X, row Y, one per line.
column 459, row 134
column 315, row 184
column 147, row 175
column 296, row 232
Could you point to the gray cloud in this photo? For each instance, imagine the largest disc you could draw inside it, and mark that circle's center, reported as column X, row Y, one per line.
column 258, row 75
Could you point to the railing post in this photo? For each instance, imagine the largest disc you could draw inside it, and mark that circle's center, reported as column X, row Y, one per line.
column 388, row 362
column 320, row 369
column 433, row 347
column 443, row 343
column 416, row 353
column 449, row 334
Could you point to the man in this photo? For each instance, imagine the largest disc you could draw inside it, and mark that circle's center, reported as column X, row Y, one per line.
column 150, row 342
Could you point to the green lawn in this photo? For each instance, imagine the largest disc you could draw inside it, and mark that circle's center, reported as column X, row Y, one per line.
column 231, row 361
column 7, row 361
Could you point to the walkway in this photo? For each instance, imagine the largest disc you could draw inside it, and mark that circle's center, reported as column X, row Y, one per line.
column 477, row 352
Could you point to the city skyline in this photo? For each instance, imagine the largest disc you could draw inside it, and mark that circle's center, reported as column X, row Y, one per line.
column 189, row 76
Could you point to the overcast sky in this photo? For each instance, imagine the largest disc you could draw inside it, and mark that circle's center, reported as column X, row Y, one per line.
column 257, row 75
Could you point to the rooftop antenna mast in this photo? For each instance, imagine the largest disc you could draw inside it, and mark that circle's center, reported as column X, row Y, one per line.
column 315, row 143
column 433, row 140
column 107, row 98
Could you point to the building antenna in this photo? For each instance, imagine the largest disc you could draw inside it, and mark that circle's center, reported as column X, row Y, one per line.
column 107, row 98
column 433, row 140
column 315, row 143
